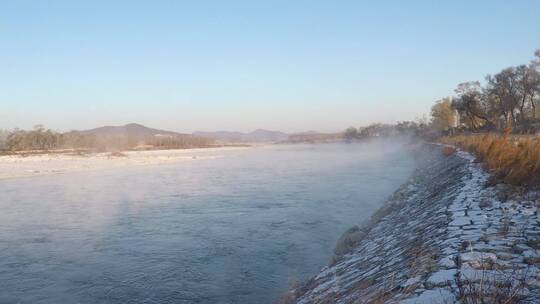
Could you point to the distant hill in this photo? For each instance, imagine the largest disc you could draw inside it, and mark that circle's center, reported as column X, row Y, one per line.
column 258, row 135
column 131, row 130
column 135, row 136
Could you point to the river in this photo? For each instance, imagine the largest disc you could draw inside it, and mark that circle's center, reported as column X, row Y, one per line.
column 238, row 228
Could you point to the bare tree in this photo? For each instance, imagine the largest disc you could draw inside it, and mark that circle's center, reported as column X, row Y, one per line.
column 472, row 106
column 527, row 84
column 504, row 88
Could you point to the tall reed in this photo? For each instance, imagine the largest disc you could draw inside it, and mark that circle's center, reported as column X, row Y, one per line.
column 511, row 160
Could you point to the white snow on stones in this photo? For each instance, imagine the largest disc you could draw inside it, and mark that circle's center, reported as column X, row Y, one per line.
column 443, row 225
column 442, row 277
column 437, row 295
column 412, row 281
column 461, row 221
column 478, row 256
column 448, row 262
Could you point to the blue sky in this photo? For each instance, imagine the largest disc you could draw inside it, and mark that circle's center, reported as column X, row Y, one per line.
column 241, row 65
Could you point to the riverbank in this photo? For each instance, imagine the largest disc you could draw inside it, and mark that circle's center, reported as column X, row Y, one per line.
column 15, row 166
column 443, row 236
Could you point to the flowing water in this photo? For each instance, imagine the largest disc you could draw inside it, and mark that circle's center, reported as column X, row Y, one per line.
column 239, row 228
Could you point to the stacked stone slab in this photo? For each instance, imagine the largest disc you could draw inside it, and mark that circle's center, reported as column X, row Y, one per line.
column 442, row 229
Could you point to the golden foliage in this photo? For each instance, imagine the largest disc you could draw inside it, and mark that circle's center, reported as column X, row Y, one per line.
column 443, row 115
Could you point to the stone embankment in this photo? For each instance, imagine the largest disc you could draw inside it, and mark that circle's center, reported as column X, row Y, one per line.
column 445, row 236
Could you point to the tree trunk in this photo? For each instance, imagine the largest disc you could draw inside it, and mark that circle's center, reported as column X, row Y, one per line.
column 533, row 109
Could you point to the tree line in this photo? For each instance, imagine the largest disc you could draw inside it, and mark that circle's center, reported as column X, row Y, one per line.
column 508, row 100
column 418, row 128
column 46, row 139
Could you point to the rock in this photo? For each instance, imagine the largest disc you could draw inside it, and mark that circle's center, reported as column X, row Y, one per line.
column 442, row 225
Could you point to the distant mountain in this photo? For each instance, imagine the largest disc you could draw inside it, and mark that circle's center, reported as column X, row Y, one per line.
column 258, row 135
column 134, row 136
column 311, row 132
column 137, row 131
column 266, row 135
column 131, row 130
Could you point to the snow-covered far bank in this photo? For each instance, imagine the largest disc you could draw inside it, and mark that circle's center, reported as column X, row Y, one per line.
column 443, row 237
column 14, row 166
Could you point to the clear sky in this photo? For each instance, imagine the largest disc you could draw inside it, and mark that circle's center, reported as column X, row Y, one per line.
column 241, row 65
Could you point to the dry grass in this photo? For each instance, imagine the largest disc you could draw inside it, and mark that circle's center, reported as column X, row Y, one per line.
column 511, row 160
column 493, row 287
column 348, row 241
column 116, row 154
column 448, row 151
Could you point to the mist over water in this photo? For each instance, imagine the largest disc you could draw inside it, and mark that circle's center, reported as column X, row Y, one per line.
column 235, row 229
